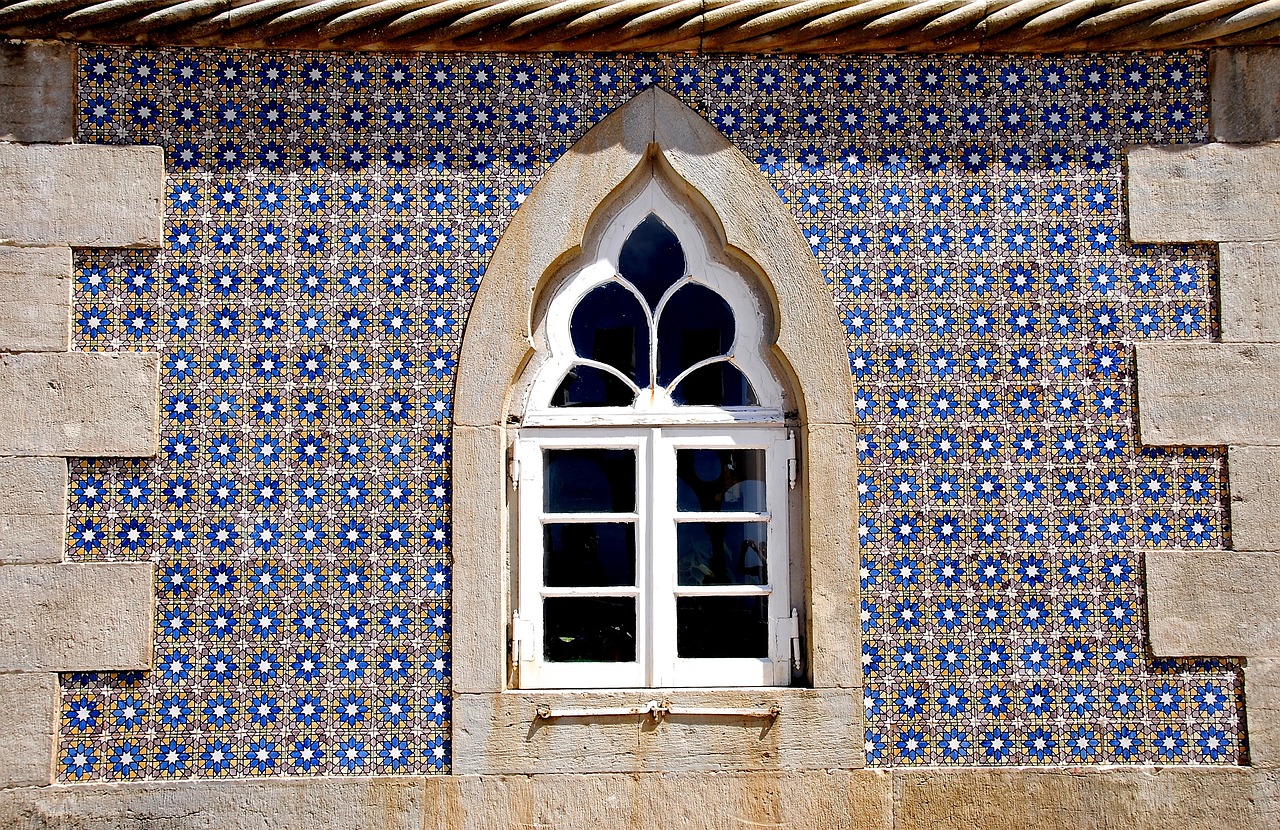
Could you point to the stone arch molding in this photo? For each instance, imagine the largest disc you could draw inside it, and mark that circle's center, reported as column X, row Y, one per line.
column 654, row 136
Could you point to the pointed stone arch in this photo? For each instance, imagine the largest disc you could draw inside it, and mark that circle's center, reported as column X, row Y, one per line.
column 493, row 724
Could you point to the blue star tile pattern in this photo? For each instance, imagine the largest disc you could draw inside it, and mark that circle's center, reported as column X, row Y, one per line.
column 328, row 219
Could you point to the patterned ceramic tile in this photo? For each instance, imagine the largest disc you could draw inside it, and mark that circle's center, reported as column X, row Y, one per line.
column 328, row 219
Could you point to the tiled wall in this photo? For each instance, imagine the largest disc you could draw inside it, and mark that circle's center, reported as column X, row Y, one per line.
column 328, row 219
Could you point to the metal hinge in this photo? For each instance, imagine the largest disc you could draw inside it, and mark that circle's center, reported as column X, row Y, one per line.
column 793, row 632
column 522, row 647
column 515, row 465
column 793, row 465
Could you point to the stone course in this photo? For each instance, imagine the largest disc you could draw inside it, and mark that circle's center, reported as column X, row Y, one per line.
column 35, row 299
column 1224, row 603
column 80, row 404
column 37, row 80
column 68, row 617
column 33, row 509
column 81, row 195
column 57, row 617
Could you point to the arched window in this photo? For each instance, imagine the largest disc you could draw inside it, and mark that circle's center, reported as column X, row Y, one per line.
column 652, row 464
column 529, row 387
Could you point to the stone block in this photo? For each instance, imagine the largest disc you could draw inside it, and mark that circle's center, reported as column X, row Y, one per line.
column 1244, row 103
column 1204, row 193
column 76, row 617
column 502, row 733
column 81, row 195
column 28, row 718
column 80, row 404
column 1255, row 497
column 37, row 91
column 1208, row 394
column 1249, row 291
column 33, row 510
column 35, row 299
column 1262, row 697
column 1213, row 603
column 1080, row 798
column 210, row 804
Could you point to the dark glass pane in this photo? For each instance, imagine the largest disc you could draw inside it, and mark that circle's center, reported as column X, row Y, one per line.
column 589, row 629
column 717, row 384
column 592, row 554
column 720, row 480
column 696, row 324
column 651, row 259
column 722, row 553
column 590, row 481
column 592, row 386
column 610, row 326
column 722, row 626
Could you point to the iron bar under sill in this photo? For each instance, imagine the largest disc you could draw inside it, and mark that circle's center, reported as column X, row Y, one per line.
column 657, row 711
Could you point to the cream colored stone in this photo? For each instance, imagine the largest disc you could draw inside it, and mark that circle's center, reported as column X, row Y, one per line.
column 1262, row 697
column 1080, row 798
column 81, row 195
column 37, row 91
column 1255, row 497
column 76, row 617
column 501, row 733
column 829, row 476
column 35, row 299
column 1249, row 291
column 33, row 509
column 1244, row 86
column 480, row 566
column 211, row 804
column 80, row 403
column 1208, row 394
column 1204, row 193
column 28, row 718
column 1213, row 603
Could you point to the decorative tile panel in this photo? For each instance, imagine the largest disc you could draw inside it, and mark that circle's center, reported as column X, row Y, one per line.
column 328, row 219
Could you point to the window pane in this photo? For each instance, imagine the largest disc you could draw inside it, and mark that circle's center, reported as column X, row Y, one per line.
column 696, row 324
column 722, row 553
column 610, row 326
column 590, row 481
column 720, row 384
column 590, row 554
column 589, row 629
column 722, row 627
column 651, row 259
column 720, row 480
column 591, row 386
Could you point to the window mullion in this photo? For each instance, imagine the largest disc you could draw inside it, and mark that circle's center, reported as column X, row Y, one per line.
column 660, row 589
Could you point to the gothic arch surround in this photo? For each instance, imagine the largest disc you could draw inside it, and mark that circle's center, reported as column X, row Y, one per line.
column 655, row 136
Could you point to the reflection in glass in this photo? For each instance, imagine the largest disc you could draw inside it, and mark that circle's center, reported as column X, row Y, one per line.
column 722, row 553
column 590, row 481
column 589, row 629
column 716, row 384
column 609, row 326
column 720, row 481
column 589, row 554
column 651, row 259
column 696, row 324
column 722, row 627
column 592, row 386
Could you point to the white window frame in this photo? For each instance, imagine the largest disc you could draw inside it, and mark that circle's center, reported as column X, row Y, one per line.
column 656, row 589
column 656, row 427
